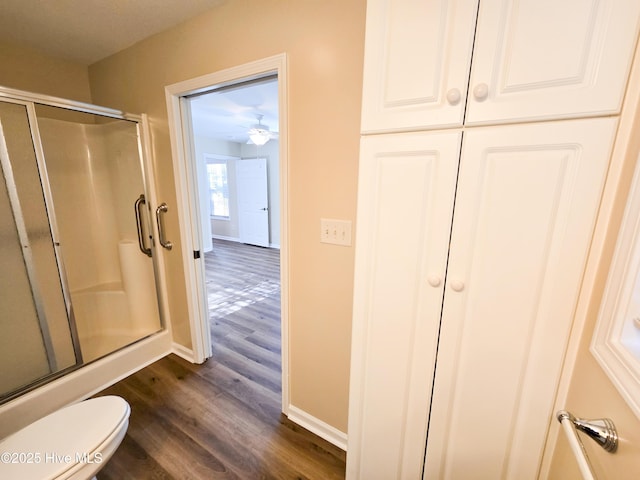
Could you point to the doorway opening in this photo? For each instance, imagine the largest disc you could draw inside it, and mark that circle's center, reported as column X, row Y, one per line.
column 233, row 203
column 238, row 178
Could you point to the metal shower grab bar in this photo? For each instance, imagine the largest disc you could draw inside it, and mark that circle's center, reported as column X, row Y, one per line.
column 602, row 430
column 141, row 201
column 165, row 243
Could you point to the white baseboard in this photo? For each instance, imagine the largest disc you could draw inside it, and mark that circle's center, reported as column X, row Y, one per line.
column 320, row 428
column 275, row 246
column 224, row 237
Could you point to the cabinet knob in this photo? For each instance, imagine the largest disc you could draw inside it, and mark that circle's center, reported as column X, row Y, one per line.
column 453, row 96
column 481, row 91
column 457, row 285
column 434, row 280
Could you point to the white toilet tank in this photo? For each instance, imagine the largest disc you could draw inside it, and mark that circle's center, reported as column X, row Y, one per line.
column 72, row 443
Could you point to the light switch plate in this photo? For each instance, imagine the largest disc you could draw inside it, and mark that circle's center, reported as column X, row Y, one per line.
column 337, row 232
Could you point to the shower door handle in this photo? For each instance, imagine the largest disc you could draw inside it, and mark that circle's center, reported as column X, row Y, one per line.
column 162, row 209
column 139, row 202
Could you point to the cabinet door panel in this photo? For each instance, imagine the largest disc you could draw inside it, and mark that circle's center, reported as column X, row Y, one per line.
column 417, row 56
column 405, row 202
column 525, row 209
column 542, row 59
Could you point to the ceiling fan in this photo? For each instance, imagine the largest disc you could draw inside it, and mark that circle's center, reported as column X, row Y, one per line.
column 260, row 134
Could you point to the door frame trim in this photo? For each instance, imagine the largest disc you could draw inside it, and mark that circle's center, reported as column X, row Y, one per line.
column 187, row 202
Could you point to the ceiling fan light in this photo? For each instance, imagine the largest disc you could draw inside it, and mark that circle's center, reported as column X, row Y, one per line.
column 259, row 136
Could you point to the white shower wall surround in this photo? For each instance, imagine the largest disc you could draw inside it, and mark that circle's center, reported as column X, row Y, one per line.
column 78, row 165
column 94, row 184
column 114, row 315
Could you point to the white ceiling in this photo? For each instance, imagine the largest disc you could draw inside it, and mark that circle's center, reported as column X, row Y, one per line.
column 86, row 31
column 229, row 113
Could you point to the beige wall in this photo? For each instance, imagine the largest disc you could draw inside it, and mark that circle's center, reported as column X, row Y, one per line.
column 324, row 41
column 26, row 69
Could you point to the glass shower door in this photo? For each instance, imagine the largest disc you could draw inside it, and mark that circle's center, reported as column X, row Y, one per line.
column 96, row 180
column 36, row 337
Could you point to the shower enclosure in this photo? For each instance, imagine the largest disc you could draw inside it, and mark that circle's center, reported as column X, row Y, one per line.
column 77, row 276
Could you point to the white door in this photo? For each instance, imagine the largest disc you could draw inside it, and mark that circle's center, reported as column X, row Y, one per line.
column 253, row 201
column 542, row 59
column 525, row 209
column 416, row 63
column 405, row 202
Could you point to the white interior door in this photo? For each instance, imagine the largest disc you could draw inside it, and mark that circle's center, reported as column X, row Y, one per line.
column 253, row 201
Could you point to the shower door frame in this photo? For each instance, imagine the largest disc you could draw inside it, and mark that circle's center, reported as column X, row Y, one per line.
column 157, row 344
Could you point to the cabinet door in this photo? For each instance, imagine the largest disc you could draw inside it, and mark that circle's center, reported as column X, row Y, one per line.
column 405, row 202
column 416, row 67
column 525, row 208
column 541, row 59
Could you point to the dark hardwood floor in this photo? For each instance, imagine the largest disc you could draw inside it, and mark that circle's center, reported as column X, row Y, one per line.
column 222, row 419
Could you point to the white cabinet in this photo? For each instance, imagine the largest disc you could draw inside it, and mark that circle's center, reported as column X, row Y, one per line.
column 472, row 239
column 407, row 186
column 525, row 210
column 417, row 57
column 532, row 60
column 545, row 59
column 525, row 206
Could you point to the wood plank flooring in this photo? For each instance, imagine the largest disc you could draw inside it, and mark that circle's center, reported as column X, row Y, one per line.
column 222, row 420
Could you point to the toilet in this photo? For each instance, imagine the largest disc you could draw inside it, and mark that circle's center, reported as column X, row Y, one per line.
column 72, row 443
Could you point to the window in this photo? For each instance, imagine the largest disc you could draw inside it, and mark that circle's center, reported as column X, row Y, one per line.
column 218, row 188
